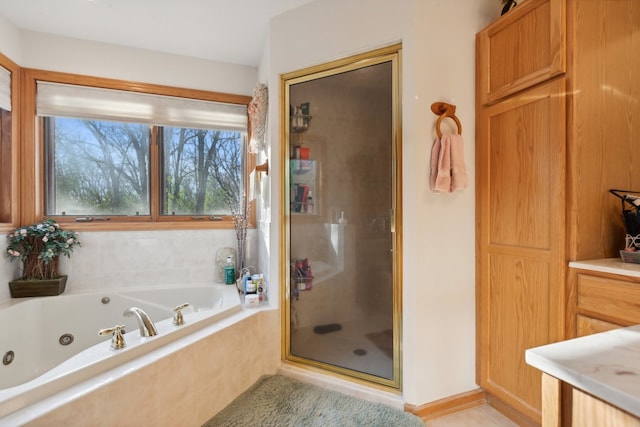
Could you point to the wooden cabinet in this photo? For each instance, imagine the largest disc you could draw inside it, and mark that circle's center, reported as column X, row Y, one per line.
column 566, row 406
column 520, row 230
column 556, row 127
column 530, row 45
column 606, row 302
column 587, row 325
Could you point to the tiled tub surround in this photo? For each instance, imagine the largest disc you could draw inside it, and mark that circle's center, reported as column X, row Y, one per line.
column 42, row 365
column 109, row 259
column 183, row 383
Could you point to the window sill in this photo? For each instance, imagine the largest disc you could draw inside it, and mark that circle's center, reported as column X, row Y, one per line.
column 149, row 226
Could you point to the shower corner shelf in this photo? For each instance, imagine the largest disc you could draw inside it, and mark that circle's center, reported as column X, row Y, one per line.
column 304, row 187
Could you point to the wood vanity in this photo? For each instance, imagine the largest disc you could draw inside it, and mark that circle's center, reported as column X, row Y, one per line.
column 594, row 380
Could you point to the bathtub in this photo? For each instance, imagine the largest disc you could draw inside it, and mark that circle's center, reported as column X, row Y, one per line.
column 49, row 344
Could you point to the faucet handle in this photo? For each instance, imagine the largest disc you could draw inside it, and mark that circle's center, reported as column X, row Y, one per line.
column 177, row 318
column 117, row 340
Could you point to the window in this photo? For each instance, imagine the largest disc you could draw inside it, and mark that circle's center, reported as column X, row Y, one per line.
column 96, row 167
column 119, row 156
column 201, row 171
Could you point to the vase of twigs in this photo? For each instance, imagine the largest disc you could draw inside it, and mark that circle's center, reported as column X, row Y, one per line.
column 240, row 214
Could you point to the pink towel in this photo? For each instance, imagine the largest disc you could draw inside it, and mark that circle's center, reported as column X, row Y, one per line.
column 448, row 172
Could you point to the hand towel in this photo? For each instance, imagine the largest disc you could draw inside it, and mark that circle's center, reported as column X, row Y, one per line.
column 440, row 179
column 448, row 171
column 458, row 170
column 435, row 154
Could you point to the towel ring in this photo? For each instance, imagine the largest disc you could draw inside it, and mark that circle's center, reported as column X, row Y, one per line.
column 442, row 109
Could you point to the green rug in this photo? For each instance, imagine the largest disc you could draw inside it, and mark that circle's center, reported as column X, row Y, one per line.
column 284, row 402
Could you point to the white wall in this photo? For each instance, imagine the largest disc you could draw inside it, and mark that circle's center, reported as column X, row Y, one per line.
column 9, row 40
column 438, row 242
column 49, row 52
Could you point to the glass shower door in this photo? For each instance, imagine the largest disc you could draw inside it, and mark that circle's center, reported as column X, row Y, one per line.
column 342, row 188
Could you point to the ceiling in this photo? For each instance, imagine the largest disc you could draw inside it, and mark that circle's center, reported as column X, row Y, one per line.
column 232, row 31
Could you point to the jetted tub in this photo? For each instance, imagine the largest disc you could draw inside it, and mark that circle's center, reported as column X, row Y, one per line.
column 51, row 343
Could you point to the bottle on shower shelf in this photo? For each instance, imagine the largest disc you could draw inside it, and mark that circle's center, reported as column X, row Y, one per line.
column 309, row 207
column 342, row 220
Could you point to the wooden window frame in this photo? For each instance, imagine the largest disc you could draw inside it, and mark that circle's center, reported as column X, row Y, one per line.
column 33, row 155
column 10, row 154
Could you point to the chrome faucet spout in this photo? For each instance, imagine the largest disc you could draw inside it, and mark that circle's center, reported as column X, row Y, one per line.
column 147, row 328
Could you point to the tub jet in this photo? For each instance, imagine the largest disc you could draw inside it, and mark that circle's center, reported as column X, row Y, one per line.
column 8, row 357
column 66, row 339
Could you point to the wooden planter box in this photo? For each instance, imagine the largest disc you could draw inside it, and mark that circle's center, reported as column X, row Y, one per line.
column 22, row 288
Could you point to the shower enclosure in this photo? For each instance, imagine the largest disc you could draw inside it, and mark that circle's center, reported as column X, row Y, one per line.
column 341, row 263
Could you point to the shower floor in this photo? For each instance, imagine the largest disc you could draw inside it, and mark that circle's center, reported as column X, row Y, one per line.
column 339, row 348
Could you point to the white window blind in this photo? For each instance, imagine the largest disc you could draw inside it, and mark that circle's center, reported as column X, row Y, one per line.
column 5, row 89
column 63, row 100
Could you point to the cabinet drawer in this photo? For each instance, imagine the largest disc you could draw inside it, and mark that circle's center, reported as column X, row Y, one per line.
column 531, row 43
column 589, row 325
column 609, row 299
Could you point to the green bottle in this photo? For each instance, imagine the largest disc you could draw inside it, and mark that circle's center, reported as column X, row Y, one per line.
column 229, row 272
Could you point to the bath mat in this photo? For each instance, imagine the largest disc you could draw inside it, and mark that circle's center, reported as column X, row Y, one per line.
column 325, row 329
column 383, row 340
column 275, row 400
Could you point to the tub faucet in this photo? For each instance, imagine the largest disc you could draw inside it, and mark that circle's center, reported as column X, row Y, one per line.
column 147, row 328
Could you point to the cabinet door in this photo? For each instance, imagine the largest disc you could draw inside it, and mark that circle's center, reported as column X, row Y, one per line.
column 524, row 47
column 520, row 217
column 588, row 411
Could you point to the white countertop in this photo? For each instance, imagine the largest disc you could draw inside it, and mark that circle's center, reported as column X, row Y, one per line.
column 605, row 365
column 608, row 265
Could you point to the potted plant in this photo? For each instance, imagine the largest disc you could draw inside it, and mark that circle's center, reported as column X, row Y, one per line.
column 39, row 247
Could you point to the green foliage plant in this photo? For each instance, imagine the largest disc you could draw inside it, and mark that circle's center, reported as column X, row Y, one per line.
column 38, row 246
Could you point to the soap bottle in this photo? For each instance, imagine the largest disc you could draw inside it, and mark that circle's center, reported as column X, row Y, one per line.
column 229, row 271
column 309, row 207
column 262, row 289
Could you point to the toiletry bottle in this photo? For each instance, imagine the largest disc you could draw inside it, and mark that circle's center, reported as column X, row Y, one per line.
column 262, row 291
column 252, row 285
column 342, row 220
column 229, row 272
column 309, row 208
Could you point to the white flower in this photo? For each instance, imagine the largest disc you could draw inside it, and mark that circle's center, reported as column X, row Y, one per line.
column 23, row 232
column 45, row 239
column 52, row 229
column 14, row 253
column 70, row 241
column 39, row 226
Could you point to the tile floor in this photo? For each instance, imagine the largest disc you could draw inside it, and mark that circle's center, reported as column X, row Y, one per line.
column 344, row 347
column 481, row 416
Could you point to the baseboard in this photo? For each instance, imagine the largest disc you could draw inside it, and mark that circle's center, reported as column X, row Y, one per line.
column 448, row 405
column 506, row 410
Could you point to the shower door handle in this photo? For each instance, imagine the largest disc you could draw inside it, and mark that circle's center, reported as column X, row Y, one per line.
column 392, row 228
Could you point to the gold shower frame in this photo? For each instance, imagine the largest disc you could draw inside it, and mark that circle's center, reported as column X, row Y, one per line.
column 394, row 55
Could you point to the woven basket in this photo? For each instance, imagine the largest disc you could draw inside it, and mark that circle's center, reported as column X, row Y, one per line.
column 630, row 212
